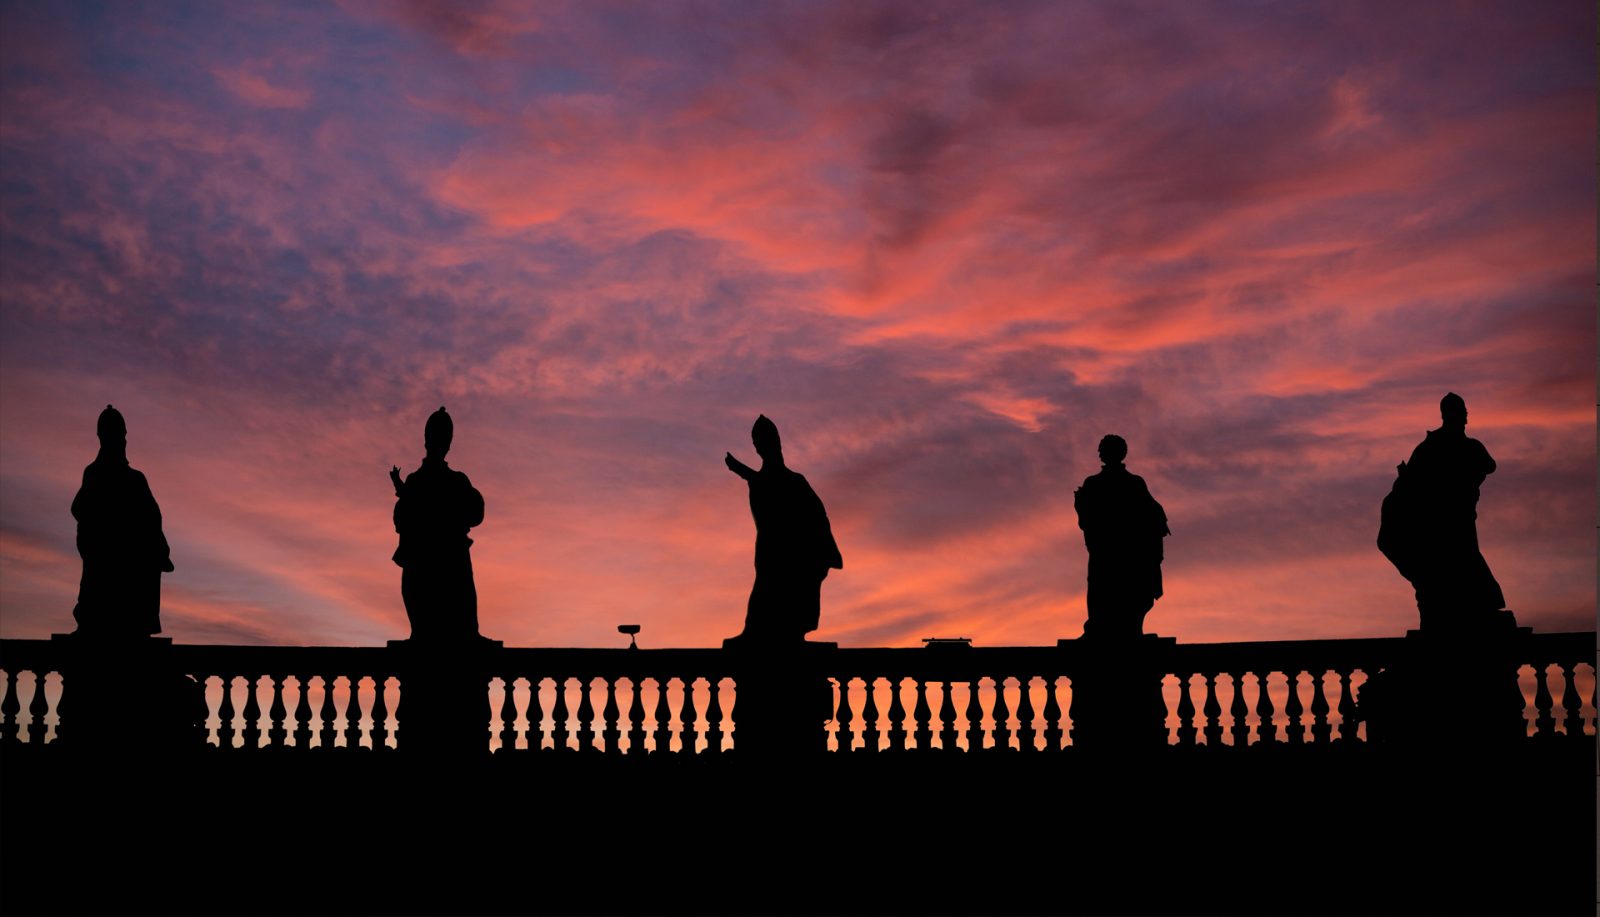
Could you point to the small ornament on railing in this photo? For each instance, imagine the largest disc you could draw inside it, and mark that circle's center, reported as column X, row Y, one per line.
column 631, row 631
column 946, row 642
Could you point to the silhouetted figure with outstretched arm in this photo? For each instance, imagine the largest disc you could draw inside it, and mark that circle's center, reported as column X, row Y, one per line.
column 794, row 545
column 120, row 540
column 436, row 506
column 1122, row 527
column 1429, row 526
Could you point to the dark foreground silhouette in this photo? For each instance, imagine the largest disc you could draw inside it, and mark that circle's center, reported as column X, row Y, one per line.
column 434, row 508
column 1434, row 798
column 120, row 540
column 1122, row 528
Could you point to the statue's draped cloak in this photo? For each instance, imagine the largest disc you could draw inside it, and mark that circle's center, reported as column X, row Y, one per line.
column 794, row 551
column 436, row 508
column 1429, row 528
column 1123, row 527
column 123, row 548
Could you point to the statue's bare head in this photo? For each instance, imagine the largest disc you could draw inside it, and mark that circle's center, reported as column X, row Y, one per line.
column 112, row 430
column 1113, row 449
column 436, row 436
column 764, row 436
column 1453, row 410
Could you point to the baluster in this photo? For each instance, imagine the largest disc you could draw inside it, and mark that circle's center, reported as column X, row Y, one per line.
column 1266, row 730
column 380, row 713
column 947, row 717
column 486, row 714
column 1571, row 703
column 1068, row 721
column 1025, row 730
column 225, row 714
column 394, row 715
column 636, row 718
column 897, row 716
column 277, row 713
column 1186, row 728
column 689, row 732
column 9, row 708
column 1347, row 705
column 870, row 736
column 535, row 715
column 1293, row 710
column 38, row 708
column 1321, row 731
column 974, row 715
column 1052, row 715
column 252, row 713
column 612, row 735
column 1212, row 708
column 663, row 734
column 1543, row 702
column 302, row 711
column 1002, row 716
column 845, row 717
column 508, row 714
column 327, row 717
column 923, row 715
column 352, row 715
column 1238, row 713
column 714, row 715
column 61, row 706
column 559, row 732
column 585, row 715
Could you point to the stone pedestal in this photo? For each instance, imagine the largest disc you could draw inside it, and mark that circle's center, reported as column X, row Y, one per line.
column 1453, row 693
column 1117, row 705
column 783, row 699
column 124, row 696
column 444, row 710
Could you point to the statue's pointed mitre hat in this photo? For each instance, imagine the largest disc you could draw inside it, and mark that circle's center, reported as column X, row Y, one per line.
column 764, row 429
column 110, row 423
column 440, row 427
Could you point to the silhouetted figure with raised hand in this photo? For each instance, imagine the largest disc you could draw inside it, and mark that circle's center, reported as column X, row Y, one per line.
column 120, row 540
column 1429, row 527
column 436, row 506
column 794, row 546
column 1122, row 527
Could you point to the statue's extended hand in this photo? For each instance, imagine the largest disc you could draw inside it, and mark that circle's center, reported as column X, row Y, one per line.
column 730, row 461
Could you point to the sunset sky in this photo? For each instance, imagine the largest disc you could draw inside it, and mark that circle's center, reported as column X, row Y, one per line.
column 946, row 247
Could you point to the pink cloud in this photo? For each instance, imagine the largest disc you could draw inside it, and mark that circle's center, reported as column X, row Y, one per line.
column 255, row 90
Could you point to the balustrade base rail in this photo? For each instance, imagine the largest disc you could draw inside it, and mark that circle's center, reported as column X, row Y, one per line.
column 1186, row 832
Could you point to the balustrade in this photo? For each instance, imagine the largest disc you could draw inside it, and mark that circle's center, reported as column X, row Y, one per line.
column 940, row 700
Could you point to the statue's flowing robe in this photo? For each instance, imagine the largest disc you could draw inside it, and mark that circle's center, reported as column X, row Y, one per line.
column 1123, row 527
column 124, row 551
column 436, row 507
column 1429, row 529
column 794, row 551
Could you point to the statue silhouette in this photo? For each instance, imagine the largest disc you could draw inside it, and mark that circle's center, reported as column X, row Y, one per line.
column 120, row 540
column 1122, row 527
column 1429, row 525
column 794, row 545
column 436, row 506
